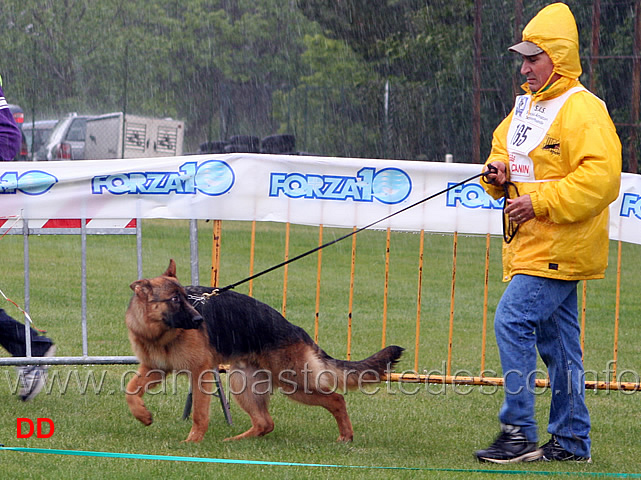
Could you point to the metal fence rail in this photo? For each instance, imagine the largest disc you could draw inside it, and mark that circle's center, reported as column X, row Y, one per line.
column 86, row 359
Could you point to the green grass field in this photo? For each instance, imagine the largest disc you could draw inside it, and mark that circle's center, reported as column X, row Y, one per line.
column 428, row 431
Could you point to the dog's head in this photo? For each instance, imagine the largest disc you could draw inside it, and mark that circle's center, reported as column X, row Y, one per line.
column 164, row 302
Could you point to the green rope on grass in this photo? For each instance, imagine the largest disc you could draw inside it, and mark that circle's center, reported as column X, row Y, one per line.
column 173, row 458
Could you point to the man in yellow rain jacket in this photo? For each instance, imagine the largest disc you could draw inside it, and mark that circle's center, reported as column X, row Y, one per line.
column 559, row 149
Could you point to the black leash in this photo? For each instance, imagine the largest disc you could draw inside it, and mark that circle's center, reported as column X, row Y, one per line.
column 491, row 169
column 509, row 227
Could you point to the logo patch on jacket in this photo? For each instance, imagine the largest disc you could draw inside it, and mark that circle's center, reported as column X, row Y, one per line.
column 553, row 266
column 552, row 145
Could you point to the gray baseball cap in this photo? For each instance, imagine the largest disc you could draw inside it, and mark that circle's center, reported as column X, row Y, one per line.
column 528, row 49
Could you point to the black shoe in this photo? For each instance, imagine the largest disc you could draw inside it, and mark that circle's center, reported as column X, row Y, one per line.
column 511, row 446
column 554, row 452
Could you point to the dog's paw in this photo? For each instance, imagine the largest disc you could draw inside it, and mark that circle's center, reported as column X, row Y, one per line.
column 345, row 439
column 194, row 437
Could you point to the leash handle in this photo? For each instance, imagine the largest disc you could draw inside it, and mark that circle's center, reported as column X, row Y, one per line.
column 491, row 170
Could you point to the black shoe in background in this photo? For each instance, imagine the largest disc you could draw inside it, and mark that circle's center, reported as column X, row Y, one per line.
column 554, row 452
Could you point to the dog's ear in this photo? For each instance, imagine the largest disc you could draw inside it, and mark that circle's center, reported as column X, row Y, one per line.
column 141, row 288
column 171, row 269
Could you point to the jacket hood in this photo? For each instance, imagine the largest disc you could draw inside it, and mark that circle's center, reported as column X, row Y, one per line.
column 554, row 30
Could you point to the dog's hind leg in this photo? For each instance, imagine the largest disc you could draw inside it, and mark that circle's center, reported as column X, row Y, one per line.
column 335, row 404
column 144, row 380
column 251, row 388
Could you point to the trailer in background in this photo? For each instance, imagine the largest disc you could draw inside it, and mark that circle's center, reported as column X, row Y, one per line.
column 115, row 135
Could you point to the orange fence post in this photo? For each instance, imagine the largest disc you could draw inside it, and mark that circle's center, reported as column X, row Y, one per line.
column 252, row 249
column 418, row 299
column 486, row 283
column 318, row 283
column 616, row 316
column 451, row 334
column 215, row 252
column 286, row 270
column 386, row 289
column 351, row 298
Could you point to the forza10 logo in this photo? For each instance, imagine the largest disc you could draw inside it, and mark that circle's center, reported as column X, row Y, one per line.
column 33, row 182
column 213, row 178
column 388, row 186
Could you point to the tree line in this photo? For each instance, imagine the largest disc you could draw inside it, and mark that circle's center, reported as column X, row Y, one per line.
column 364, row 78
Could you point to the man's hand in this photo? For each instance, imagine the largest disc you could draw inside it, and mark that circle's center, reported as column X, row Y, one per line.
column 496, row 176
column 520, row 209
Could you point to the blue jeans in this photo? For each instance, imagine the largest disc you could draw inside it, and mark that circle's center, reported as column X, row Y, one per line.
column 12, row 338
column 542, row 312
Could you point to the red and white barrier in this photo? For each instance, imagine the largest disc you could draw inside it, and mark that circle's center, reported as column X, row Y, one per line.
column 57, row 226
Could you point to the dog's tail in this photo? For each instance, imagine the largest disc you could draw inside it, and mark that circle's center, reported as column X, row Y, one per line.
column 348, row 375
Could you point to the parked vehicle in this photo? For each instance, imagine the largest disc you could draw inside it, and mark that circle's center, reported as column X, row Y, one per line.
column 67, row 139
column 279, row 144
column 211, row 147
column 18, row 116
column 115, row 135
column 243, row 144
column 36, row 135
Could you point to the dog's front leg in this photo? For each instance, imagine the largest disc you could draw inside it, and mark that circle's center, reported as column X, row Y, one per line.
column 203, row 386
column 144, row 380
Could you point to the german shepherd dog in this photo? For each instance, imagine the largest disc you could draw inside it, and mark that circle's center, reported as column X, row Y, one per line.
column 171, row 333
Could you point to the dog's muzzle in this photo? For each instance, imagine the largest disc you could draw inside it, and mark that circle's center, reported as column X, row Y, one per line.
column 185, row 322
column 194, row 322
column 198, row 321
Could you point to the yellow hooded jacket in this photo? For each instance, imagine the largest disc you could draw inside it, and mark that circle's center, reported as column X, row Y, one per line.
column 579, row 162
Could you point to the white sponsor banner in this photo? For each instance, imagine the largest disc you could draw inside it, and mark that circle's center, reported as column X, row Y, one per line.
column 625, row 211
column 339, row 192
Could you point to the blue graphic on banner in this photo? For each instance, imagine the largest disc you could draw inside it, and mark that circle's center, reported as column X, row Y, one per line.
column 33, row 182
column 211, row 178
column 390, row 186
column 471, row 195
column 631, row 204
